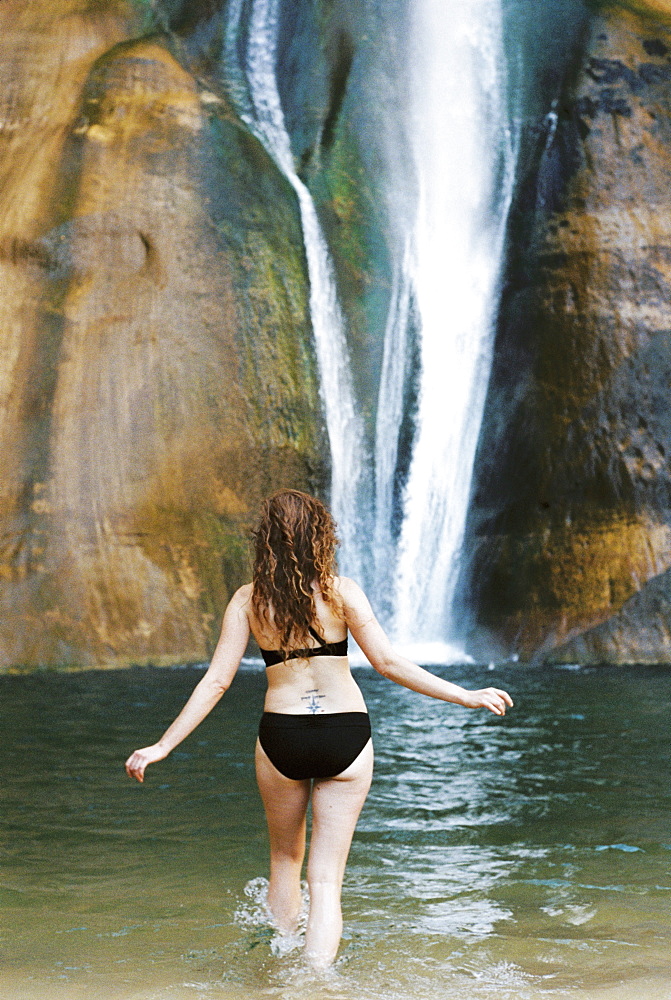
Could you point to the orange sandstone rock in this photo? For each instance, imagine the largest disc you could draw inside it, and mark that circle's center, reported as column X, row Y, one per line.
column 159, row 376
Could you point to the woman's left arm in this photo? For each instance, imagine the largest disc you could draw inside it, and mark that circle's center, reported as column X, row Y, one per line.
column 223, row 667
column 375, row 645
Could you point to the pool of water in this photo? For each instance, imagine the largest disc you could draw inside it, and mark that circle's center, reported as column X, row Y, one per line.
column 528, row 857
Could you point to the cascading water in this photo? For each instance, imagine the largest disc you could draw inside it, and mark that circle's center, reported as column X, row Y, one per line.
column 261, row 109
column 445, row 287
column 390, row 414
column 463, row 158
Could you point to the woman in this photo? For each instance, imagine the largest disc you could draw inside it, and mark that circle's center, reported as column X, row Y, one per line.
column 314, row 737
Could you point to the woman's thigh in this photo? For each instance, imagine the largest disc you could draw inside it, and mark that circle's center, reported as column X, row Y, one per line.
column 285, row 802
column 336, row 805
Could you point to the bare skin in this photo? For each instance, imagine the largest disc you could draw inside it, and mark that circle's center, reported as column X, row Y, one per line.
column 309, row 686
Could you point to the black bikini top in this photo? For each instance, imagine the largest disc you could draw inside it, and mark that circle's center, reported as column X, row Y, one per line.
column 273, row 656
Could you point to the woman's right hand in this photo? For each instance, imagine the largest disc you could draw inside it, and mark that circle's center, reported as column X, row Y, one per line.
column 138, row 761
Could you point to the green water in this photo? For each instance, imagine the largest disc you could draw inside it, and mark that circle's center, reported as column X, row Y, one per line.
column 520, row 858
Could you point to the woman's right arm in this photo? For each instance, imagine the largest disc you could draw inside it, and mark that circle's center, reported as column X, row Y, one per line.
column 225, row 662
column 373, row 641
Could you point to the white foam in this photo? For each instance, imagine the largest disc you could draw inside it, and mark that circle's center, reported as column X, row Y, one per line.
column 254, row 914
column 427, row 654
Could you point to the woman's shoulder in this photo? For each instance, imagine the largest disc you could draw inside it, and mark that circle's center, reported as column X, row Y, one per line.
column 242, row 596
column 350, row 593
column 344, row 585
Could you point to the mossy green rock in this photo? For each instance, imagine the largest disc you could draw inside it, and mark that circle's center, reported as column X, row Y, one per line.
column 340, row 70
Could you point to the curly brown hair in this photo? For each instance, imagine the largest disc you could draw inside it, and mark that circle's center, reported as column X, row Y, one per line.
column 295, row 544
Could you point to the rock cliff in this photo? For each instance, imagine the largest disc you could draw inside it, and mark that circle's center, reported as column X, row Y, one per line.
column 571, row 519
column 158, row 374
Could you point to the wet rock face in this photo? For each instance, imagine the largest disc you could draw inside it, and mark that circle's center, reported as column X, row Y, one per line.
column 657, row 9
column 159, row 376
column 572, row 503
column 341, row 78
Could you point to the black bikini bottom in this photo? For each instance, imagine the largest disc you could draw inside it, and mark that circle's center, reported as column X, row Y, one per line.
column 313, row 746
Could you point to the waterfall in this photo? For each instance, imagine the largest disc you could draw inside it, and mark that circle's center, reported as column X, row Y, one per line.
column 463, row 158
column 442, row 303
column 390, row 414
column 261, row 109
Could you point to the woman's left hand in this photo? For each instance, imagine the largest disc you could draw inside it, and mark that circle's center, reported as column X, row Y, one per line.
column 492, row 698
column 138, row 761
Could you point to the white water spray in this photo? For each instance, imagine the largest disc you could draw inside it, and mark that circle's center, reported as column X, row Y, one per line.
column 464, row 166
column 265, row 118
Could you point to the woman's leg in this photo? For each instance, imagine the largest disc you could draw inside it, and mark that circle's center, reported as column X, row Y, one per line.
column 336, row 804
column 286, row 803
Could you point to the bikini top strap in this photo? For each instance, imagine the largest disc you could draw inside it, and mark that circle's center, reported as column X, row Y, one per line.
column 315, row 635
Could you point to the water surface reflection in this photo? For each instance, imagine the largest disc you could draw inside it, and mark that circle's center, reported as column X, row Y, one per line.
column 520, row 858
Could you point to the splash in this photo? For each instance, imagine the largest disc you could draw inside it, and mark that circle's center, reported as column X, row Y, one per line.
column 254, row 915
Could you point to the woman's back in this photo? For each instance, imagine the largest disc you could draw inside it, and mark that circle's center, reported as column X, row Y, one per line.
column 318, row 684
